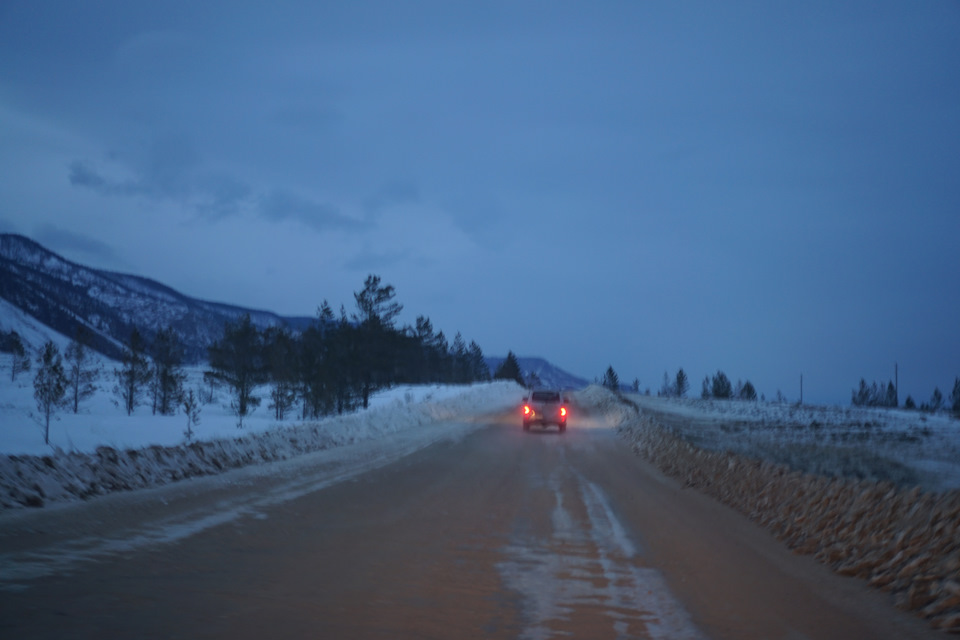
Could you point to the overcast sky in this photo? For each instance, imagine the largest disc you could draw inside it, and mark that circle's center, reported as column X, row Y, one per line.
column 760, row 188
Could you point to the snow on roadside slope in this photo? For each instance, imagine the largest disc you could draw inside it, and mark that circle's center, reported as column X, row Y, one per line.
column 59, row 475
column 900, row 446
column 101, row 423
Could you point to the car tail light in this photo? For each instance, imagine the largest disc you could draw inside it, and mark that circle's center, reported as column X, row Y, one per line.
column 563, row 412
column 526, row 409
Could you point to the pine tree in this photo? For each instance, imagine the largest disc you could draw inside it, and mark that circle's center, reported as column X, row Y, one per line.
column 168, row 376
column 20, row 361
column 376, row 311
column 748, row 392
column 49, row 385
column 479, row 371
column 909, row 403
column 682, row 383
column 936, row 400
column 237, row 361
column 955, row 398
column 318, row 379
column 611, row 380
column 82, row 372
column 191, row 408
column 720, row 386
column 281, row 357
column 667, row 390
column 509, row 369
column 890, row 398
column 458, row 359
column 133, row 373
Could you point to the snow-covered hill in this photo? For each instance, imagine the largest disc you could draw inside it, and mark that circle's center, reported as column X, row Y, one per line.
column 60, row 295
column 548, row 374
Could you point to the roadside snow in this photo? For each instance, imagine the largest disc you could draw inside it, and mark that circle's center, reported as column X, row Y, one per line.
column 904, row 447
column 101, row 449
column 101, row 423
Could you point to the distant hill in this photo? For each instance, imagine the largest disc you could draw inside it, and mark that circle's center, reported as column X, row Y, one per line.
column 62, row 294
column 550, row 375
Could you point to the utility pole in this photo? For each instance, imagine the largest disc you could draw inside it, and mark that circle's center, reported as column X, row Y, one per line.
column 801, row 388
column 896, row 384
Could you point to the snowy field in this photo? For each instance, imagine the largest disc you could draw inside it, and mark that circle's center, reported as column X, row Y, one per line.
column 101, row 449
column 905, row 447
column 101, row 423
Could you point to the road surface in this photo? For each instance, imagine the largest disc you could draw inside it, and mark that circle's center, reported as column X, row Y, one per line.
column 495, row 534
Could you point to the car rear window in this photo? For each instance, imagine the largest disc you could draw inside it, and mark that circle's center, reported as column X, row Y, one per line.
column 546, row 396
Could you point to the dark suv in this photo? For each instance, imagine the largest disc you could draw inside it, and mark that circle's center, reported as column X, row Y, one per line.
column 545, row 407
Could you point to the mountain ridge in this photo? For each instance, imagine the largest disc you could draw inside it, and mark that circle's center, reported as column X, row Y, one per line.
column 62, row 294
column 548, row 374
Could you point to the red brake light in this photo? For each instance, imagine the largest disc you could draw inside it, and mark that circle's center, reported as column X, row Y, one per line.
column 526, row 409
column 563, row 412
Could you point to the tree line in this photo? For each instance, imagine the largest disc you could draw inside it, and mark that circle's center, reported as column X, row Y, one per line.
column 880, row 395
column 719, row 386
column 332, row 366
column 336, row 363
column 677, row 386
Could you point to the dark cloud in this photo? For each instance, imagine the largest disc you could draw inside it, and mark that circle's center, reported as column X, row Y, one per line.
column 280, row 205
column 390, row 195
column 64, row 241
column 83, row 175
column 213, row 196
column 370, row 260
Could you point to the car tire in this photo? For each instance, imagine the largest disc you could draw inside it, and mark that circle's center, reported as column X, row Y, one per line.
column 563, row 427
column 526, row 426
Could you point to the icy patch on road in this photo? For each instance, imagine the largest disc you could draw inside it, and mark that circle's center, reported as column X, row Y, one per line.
column 590, row 564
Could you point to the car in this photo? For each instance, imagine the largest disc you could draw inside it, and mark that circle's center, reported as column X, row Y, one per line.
column 545, row 407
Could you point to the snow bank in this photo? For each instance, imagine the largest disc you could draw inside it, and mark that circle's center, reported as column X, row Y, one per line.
column 61, row 475
column 903, row 447
column 904, row 541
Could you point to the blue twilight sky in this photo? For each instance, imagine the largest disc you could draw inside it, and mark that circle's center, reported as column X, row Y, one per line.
column 766, row 188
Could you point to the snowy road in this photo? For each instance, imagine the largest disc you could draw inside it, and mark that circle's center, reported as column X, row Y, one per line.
column 494, row 533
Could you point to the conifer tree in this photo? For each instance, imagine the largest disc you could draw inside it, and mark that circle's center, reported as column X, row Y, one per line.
column 133, row 373
column 458, row 360
column 49, row 385
column 611, row 380
column 478, row 365
column 168, row 376
column 667, row 388
column 377, row 309
column 281, row 357
column 82, row 372
column 237, row 361
column 720, row 386
column 191, row 408
column 20, row 361
column 955, row 398
column 509, row 369
column 682, row 383
column 936, row 400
